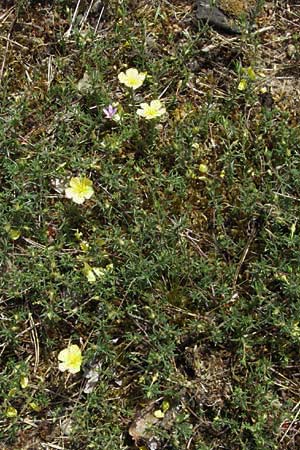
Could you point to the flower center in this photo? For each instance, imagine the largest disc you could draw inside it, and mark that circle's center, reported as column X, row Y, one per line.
column 133, row 81
column 152, row 112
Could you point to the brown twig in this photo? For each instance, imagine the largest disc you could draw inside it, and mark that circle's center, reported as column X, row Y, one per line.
column 6, row 49
column 243, row 257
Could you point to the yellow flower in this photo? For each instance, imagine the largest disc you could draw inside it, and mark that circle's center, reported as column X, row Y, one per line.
column 242, row 86
column 152, row 111
column 132, row 78
column 11, row 412
column 159, row 414
column 92, row 273
column 24, row 382
column 81, row 189
column 203, row 168
column 34, row 406
column 249, row 72
column 70, row 358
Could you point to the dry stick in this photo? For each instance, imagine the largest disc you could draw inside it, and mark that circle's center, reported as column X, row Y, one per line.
column 50, row 72
column 165, row 89
column 243, row 257
column 68, row 32
column 35, row 340
column 86, row 14
column 194, row 242
column 292, row 422
column 14, row 42
column 6, row 50
column 6, row 14
column 47, row 445
column 99, row 18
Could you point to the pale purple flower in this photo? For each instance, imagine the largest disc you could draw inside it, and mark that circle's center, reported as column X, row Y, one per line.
column 109, row 112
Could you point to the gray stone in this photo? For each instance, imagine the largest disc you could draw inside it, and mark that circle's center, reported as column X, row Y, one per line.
column 223, row 15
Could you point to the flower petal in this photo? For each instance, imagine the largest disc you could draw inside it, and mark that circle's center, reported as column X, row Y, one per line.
column 74, row 182
column 156, row 104
column 132, row 73
column 122, row 77
column 62, row 367
column 63, row 354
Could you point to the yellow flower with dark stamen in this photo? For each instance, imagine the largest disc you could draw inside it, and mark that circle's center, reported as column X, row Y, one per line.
column 70, row 358
column 81, row 189
column 132, row 78
column 151, row 111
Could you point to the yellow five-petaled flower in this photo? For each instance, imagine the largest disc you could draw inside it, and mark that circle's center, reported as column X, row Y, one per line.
column 81, row 189
column 132, row 78
column 70, row 358
column 151, row 111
